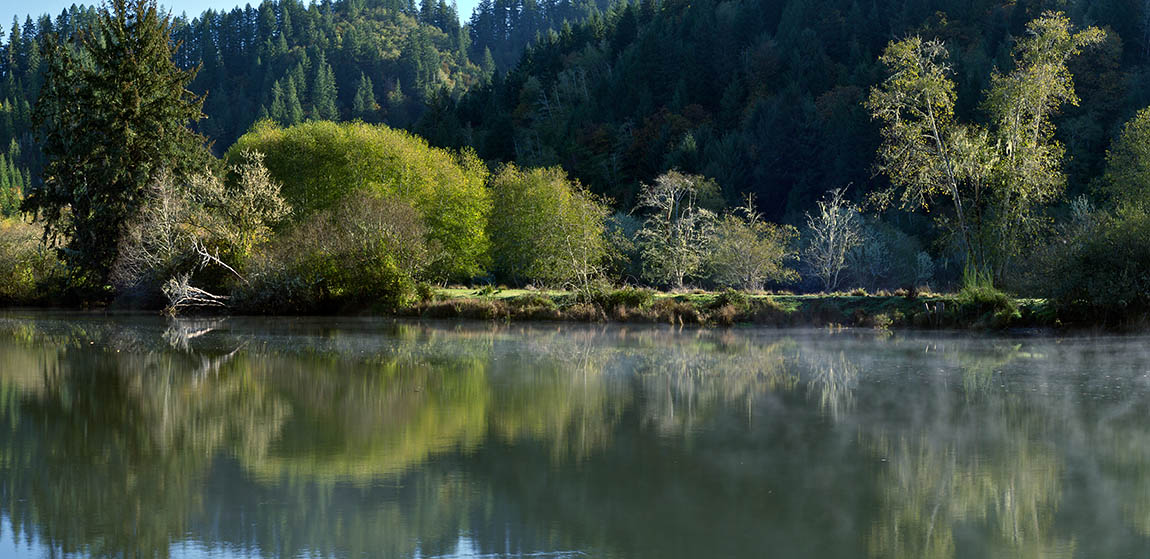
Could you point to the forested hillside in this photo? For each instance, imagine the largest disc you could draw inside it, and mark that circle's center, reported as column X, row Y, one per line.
column 767, row 96
column 375, row 60
column 501, row 29
column 291, row 61
column 763, row 96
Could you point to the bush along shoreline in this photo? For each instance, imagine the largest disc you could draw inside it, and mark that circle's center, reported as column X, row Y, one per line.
column 728, row 308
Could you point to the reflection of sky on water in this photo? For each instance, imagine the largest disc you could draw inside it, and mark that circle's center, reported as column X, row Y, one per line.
column 366, row 437
column 466, row 547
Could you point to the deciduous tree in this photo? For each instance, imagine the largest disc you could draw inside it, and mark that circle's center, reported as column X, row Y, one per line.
column 547, row 229
column 833, row 231
column 746, row 251
column 675, row 233
column 995, row 178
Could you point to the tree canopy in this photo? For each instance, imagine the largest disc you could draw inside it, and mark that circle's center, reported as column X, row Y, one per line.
column 321, row 163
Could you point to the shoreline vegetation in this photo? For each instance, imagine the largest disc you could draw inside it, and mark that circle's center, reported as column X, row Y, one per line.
column 856, row 309
column 883, row 310
column 321, row 217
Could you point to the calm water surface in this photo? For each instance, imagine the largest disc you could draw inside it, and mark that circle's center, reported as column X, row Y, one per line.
column 137, row 436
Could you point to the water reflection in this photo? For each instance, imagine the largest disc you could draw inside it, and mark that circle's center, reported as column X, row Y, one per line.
column 139, row 436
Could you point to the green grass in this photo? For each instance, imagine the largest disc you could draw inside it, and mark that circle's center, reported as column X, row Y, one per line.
column 498, row 294
column 951, row 311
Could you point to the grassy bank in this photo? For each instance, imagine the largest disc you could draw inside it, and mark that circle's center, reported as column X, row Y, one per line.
column 856, row 309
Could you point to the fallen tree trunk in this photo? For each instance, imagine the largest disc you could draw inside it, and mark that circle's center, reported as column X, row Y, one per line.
column 182, row 295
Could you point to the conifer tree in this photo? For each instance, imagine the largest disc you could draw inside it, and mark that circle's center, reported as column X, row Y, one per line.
column 488, row 63
column 364, row 104
column 324, row 92
column 293, row 109
column 109, row 128
column 278, row 109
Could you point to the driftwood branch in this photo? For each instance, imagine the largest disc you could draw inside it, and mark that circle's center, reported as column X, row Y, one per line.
column 208, row 257
column 182, row 295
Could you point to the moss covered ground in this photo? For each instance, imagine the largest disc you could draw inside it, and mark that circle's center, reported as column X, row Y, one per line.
column 730, row 308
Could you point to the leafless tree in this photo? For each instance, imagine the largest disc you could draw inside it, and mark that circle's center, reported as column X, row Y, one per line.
column 832, row 232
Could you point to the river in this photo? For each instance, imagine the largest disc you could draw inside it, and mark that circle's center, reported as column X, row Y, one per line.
column 125, row 435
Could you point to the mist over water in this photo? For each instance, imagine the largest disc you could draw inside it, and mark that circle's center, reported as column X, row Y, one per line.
column 129, row 435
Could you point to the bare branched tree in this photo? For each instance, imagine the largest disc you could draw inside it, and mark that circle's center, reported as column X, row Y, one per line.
column 832, row 232
column 189, row 224
column 158, row 242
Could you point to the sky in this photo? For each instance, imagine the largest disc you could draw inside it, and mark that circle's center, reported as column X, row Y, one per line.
column 36, row 8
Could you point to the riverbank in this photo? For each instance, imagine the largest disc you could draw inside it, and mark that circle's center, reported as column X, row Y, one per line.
column 989, row 310
column 729, row 308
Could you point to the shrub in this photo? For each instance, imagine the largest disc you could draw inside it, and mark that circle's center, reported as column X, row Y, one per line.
column 424, row 292
column 633, row 297
column 364, row 251
column 534, row 307
column 746, row 252
column 992, row 307
column 29, row 271
column 584, row 312
column 532, row 300
column 321, row 163
column 726, row 315
column 548, row 229
column 886, row 257
column 730, row 297
column 675, row 311
column 1106, row 274
column 483, row 309
column 768, row 311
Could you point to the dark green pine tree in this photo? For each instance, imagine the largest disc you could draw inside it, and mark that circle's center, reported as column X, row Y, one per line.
column 293, row 109
column 364, row 105
column 110, row 127
column 13, row 182
column 286, row 29
column 8, row 203
column 15, row 46
column 488, row 63
column 278, row 110
column 324, row 92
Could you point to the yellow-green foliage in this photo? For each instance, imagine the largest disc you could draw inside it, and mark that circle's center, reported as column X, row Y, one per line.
column 547, row 228
column 320, row 163
column 25, row 264
column 1128, row 165
column 361, row 252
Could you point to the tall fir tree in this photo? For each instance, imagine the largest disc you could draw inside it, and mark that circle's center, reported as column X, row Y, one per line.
column 324, row 91
column 293, row 109
column 364, row 105
column 110, row 127
column 278, row 109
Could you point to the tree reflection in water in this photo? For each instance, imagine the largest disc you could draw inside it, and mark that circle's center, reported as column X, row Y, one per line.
column 134, row 436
